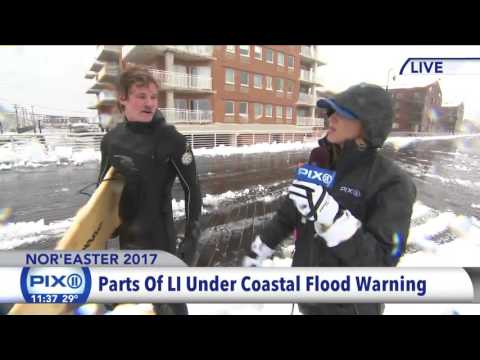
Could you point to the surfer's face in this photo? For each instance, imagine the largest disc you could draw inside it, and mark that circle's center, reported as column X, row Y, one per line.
column 141, row 103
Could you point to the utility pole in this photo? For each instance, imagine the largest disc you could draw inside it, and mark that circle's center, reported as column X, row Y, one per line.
column 16, row 115
column 38, row 121
column 32, row 115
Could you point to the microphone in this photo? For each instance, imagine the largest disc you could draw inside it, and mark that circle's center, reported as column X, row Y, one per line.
column 317, row 170
column 320, row 157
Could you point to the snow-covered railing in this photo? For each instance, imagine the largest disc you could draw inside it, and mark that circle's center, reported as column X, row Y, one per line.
column 309, row 121
column 306, row 98
column 179, row 116
column 181, row 81
column 244, row 138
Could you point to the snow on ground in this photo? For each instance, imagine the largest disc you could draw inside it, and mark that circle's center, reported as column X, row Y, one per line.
column 254, row 149
column 13, row 235
column 34, row 154
column 463, row 251
column 401, row 141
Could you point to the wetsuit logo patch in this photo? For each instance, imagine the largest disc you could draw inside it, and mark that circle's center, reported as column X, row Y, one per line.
column 187, row 158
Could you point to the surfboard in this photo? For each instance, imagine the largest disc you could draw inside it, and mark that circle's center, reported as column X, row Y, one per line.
column 92, row 227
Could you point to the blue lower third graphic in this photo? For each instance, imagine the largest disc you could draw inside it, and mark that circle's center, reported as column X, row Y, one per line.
column 56, row 284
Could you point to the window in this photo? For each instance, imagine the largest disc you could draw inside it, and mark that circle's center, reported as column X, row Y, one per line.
column 278, row 112
column 291, row 61
column 258, row 52
column 243, row 109
column 245, row 50
column 229, row 76
column 268, row 81
column 269, row 56
column 268, row 110
column 279, row 84
column 200, row 104
column 289, row 86
column 244, row 78
column 281, row 59
column 257, row 81
column 230, row 49
column 229, row 108
column 258, row 110
column 289, row 112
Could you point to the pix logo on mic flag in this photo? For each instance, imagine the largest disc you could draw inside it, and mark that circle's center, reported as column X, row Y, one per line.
column 316, row 175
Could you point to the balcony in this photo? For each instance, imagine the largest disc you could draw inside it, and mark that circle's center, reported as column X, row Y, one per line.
column 97, row 87
column 179, row 116
column 144, row 54
column 92, row 105
column 108, row 53
column 308, row 77
column 106, row 97
column 310, row 121
column 96, row 66
column 309, row 55
column 306, row 99
column 90, row 75
column 182, row 82
column 109, row 72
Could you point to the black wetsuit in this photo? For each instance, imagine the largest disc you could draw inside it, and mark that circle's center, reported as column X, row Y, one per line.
column 150, row 156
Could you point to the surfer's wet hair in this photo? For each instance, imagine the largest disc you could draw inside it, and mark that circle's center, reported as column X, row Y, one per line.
column 133, row 75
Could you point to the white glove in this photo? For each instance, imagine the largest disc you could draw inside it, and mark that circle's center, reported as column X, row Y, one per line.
column 313, row 202
column 259, row 252
column 341, row 230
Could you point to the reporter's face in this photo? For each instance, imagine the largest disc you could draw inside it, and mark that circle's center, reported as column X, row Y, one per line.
column 342, row 129
column 141, row 103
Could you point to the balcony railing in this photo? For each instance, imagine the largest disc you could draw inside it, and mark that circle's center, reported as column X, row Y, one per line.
column 108, row 70
column 311, row 54
column 106, row 95
column 307, row 51
column 108, row 52
column 306, row 99
column 306, row 76
column 170, row 79
column 310, row 121
column 201, row 50
column 180, row 116
column 141, row 53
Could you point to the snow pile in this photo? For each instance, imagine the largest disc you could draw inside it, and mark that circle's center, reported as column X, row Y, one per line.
column 254, row 149
column 399, row 142
column 86, row 155
column 444, row 180
column 13, row 235
column 215, row 200
column 34, row 155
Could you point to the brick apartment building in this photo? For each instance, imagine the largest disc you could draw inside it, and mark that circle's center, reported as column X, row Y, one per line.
column 417, row 108
column 228, row 84
column 450, row 119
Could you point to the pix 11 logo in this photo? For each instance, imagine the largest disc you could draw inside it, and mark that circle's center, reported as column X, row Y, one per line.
column 316, row 175
column 441, row 66
column 55, row 284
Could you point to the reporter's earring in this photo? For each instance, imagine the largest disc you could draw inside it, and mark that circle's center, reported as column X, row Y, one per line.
column 361, row 144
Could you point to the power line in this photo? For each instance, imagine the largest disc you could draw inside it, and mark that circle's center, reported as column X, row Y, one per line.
column 12, row 103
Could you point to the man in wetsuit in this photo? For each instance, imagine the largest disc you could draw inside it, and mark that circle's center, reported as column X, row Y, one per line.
column 150, row 154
